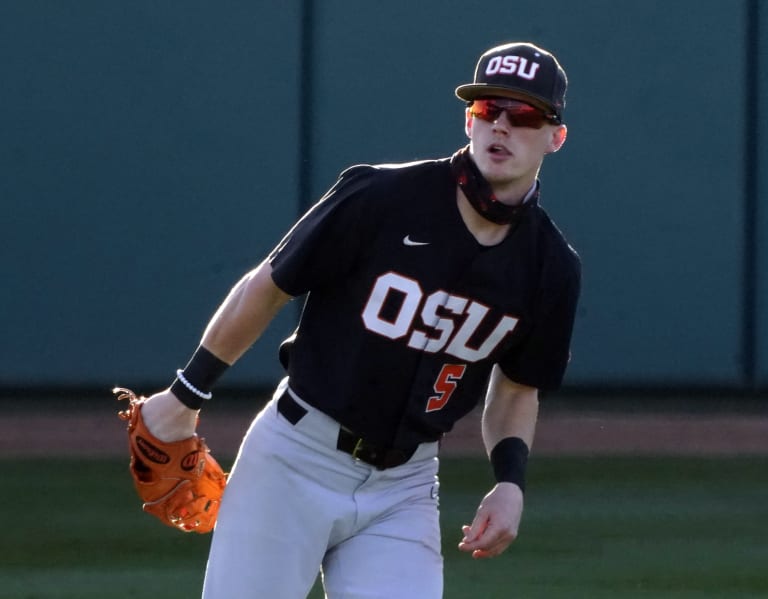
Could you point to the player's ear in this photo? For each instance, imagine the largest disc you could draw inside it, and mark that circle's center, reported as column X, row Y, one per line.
column 557, row 140
column 468, row 123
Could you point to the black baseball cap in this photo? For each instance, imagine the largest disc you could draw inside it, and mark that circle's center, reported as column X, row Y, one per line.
column 522, row 71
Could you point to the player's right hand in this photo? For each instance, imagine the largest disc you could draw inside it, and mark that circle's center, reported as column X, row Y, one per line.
column 167, row 418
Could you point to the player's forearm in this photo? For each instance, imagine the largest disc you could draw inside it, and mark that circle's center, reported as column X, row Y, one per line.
column 236, row 325
column 511, row 410
column 508, row 427
column 244, row 314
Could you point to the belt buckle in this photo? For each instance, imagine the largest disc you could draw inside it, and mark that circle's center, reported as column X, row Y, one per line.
column 378, row 457
column 369, row 454
column 358, row 449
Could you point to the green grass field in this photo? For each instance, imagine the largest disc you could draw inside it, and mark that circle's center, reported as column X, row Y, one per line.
column 594, row 528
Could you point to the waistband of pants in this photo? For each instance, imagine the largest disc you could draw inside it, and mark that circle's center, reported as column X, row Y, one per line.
column 375, row 455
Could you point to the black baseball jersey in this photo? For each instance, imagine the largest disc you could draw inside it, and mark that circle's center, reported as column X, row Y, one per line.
column 406, row 312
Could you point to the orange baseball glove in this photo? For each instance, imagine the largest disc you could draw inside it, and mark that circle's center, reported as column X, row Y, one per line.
column 180, row 483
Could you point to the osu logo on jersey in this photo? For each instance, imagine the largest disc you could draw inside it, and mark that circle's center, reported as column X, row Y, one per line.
column 439, row 311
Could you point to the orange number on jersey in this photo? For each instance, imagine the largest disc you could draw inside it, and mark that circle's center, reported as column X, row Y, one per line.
column 445, row 385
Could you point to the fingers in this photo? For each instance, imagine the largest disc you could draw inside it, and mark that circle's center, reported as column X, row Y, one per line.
column 475, row 531
column 486, row 541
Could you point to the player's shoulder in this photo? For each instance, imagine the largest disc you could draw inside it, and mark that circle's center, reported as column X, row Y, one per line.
column 371, row 190
column 394, row 172
column 395, row 168
column 378, row 188
column 554, row 243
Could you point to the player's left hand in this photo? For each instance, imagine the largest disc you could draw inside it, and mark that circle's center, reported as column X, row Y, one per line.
column 179, row 481
column 496, row 522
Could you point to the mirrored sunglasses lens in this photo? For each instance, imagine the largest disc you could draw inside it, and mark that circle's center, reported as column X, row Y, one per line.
column 485, row 110
column 526, row 118
column 518, row 113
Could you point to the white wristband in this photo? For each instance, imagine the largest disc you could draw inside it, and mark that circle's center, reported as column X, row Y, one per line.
column 191, row 387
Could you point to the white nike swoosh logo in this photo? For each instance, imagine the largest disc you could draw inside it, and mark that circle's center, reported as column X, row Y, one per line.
column 408, row 241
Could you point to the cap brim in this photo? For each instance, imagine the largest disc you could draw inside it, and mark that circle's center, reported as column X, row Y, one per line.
column 473, row 91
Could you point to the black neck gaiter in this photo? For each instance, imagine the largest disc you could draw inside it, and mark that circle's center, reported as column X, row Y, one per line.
column 479, row 193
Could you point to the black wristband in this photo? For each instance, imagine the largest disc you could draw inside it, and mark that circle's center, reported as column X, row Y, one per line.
column 193, row 384
column 509, row 459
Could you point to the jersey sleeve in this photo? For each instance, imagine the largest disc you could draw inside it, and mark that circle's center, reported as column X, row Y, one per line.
column 323, row 245
column 542, row 359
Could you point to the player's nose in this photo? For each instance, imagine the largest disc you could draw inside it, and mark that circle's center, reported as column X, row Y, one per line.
column 501, row 124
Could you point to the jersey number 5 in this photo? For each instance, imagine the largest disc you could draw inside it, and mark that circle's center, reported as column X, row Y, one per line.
column 445, row 385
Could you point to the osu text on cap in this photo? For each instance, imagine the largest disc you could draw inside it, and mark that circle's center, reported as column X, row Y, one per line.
column 512, row 65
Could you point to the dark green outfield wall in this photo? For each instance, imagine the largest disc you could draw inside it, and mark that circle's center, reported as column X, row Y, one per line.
column 153, row 151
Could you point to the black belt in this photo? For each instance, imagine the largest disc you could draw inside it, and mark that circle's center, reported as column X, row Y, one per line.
column 348, row 442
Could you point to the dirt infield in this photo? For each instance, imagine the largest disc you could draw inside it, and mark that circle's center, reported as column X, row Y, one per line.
column 93, row 429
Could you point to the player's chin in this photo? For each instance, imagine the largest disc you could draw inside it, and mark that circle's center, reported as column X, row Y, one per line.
column 498, row 172
column 504, row 175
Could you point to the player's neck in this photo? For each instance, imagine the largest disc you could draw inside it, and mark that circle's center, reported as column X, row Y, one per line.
column 483, row 230
column 516, row 192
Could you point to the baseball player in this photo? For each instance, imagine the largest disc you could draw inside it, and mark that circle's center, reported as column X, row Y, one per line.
column 428, row 286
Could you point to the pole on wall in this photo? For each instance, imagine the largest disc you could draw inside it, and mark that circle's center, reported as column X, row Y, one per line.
column 751, row 204
column 305, row 116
